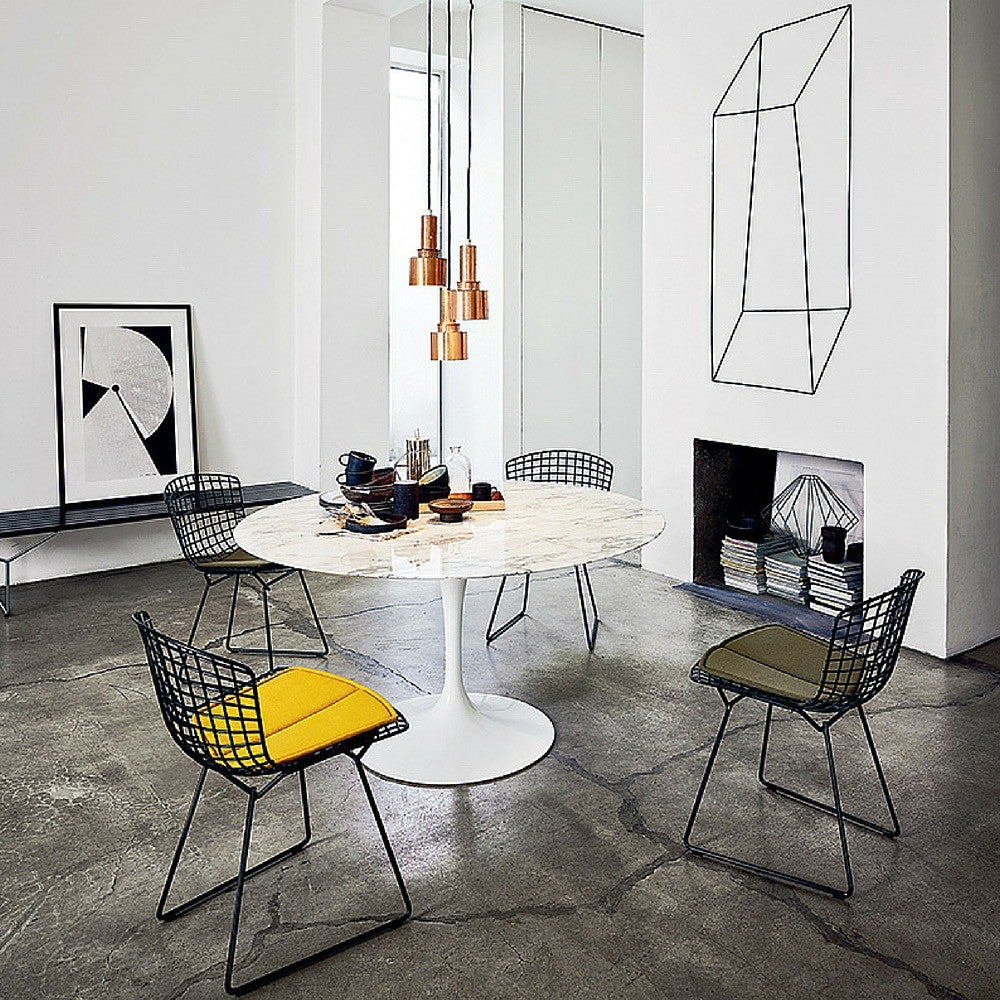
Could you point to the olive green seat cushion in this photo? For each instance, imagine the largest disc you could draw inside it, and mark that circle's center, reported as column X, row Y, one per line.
column 238, row 559
column 778, row 660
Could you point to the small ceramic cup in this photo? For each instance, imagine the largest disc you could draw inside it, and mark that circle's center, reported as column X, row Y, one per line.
column 358, row 467
column 482, row 491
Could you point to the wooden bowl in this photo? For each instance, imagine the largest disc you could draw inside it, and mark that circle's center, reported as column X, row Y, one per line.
column 371, row 493
column 450, row 511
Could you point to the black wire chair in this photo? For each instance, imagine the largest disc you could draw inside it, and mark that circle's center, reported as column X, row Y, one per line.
column 266, row 728
column 575, row 468
column 205, row 509
column 820, row 681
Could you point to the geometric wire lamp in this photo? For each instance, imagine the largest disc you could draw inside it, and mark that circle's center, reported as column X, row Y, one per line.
column 803, row 508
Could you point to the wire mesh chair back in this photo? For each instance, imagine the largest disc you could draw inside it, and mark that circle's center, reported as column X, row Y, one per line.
column 574, row 468
column 865, row 644
column 204, row 509
column 209, row 703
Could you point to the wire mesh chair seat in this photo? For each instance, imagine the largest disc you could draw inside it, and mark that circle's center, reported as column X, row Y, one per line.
column 205, row 509
column 255, row 732
column 821, row 682
column 570, row 468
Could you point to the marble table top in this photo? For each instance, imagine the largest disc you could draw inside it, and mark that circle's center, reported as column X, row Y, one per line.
column 544, row 527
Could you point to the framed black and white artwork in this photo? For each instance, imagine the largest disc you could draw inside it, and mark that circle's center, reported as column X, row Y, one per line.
column 124, row 400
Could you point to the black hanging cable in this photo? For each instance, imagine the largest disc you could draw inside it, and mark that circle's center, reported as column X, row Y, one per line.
column 468, row 158
column 447, row 105
column 429, row 32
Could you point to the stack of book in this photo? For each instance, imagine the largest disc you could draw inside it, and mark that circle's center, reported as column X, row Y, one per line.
column 743, row 561
column 787, row 576
column 834, row 586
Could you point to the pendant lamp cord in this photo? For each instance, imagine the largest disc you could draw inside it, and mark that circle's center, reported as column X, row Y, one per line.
column 448, row 137
column 468, row 159
column 429, row 32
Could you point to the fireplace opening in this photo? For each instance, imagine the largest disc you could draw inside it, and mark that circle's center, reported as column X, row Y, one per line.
column 778, row 533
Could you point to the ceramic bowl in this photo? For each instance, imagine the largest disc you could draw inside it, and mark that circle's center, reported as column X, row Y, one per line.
column 450, row 511
column 375, row 525
column 378, row 491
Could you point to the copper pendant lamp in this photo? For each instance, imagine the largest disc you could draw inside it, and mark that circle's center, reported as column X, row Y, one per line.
column 466, row 301
column 449, row 342
column 429, row 267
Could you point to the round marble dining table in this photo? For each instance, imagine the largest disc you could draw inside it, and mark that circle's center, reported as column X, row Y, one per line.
column 459, row 737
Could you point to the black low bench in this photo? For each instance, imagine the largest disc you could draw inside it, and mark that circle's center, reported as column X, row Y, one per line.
column 49, row 521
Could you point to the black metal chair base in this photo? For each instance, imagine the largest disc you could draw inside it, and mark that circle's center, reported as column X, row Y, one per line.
column 265, row 584
column 591, row 621
column 239, row 880
column 836, row 809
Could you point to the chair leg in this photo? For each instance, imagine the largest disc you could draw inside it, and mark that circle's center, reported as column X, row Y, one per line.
column 315, row 617
column 865, row 824
column 303, row 963
column 234, row 928
column 162, row 913
column 388, row 850
column 590, row 631
column 268, row 649
column 838, row 808
column 894, row 830
column 708, row 770
column 750, row 866
column 201, row 607
column 492, row 634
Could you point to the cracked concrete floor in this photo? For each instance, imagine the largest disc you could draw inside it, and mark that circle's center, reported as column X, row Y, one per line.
column 567, row 880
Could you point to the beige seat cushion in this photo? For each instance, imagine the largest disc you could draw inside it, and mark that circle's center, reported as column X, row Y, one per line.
column 777, row 660
column 237, row 559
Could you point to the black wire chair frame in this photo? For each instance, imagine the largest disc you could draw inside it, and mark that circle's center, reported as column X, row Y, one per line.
column 861, row 655
column 574, row 468
column 205, row 509
column 187, row 680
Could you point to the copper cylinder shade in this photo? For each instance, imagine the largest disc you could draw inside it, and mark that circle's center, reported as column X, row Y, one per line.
column 449, row 342
column 473, row 301
column 428, row 267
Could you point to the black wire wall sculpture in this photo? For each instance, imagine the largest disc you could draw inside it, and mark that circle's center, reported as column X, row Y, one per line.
column 781, row 206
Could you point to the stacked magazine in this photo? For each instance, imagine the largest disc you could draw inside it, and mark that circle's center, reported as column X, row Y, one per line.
column 743, row 561
column 834, row 586
column 787, row 577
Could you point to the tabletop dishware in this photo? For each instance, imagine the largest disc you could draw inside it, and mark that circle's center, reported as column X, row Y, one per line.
column 450, row 510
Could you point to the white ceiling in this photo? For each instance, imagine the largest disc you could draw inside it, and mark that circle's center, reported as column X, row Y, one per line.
column 619, row 13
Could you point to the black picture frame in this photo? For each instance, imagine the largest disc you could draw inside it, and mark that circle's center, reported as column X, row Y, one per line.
column 125, row 400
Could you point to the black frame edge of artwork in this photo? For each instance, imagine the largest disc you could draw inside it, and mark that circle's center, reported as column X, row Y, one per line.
column 57, row 309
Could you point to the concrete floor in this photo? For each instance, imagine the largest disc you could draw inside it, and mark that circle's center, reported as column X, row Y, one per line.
column 567, row 880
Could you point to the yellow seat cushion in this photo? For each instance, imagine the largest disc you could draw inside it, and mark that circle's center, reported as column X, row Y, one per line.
column 237, row 559
column 779, row 660
column 302, row 710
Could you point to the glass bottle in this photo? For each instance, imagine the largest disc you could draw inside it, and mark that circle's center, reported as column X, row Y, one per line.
column 459, row 471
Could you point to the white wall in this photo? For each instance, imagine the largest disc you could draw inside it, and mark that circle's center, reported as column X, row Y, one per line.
column 974, row 431
column 884, row 398
column 147, row 157
column 473, row 389
column 355, row 237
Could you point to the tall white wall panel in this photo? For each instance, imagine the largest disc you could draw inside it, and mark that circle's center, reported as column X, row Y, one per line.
column 581, row 338
column 561, row 259
column 621, row 258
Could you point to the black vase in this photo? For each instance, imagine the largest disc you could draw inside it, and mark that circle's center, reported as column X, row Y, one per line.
column 834, row 543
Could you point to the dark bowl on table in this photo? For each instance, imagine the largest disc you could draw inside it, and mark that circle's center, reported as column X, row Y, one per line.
column 450, row 511
column 434, row 484
column 385, row 521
